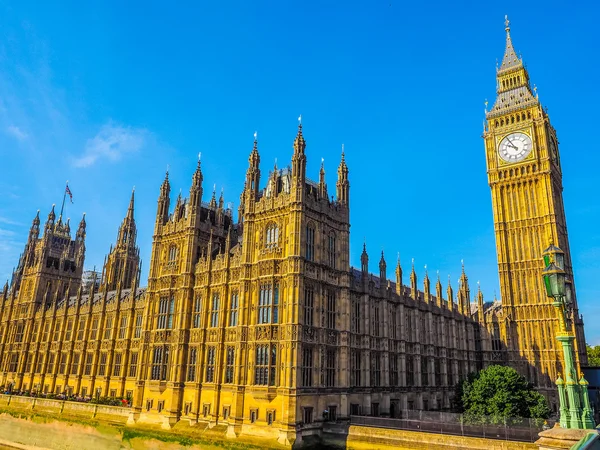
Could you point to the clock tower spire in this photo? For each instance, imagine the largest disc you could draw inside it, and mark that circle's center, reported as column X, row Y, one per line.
column 525, row 178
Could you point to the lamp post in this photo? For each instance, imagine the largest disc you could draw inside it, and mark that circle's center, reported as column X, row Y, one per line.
column 572, row 394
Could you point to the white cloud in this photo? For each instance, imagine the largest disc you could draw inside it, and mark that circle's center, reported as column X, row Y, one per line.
column 111, row 143
column 16, row 132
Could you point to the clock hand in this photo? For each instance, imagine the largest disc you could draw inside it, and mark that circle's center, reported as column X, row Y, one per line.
column 511, row 144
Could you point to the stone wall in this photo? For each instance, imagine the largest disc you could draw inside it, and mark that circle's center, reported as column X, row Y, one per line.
column 372, row 438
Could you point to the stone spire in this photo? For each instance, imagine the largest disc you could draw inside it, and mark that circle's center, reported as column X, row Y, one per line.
column 382, row 269
column 413, row 281
column 480, row 306
column 162, row 213
column 343, row 185
column 398, row 276
column 510, row 60
column 299, row 158
column 427, row 286
column 438, row 291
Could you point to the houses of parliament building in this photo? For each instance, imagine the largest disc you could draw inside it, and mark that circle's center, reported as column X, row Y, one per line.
column 261, row 324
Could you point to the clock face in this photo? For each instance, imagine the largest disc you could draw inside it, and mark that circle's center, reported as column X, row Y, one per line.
column 515, row 147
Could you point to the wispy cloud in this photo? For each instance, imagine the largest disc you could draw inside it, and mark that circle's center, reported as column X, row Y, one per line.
column 111, row 143
column 16, row 132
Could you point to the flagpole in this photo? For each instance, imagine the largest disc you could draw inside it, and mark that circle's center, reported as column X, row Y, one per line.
column 63, row 203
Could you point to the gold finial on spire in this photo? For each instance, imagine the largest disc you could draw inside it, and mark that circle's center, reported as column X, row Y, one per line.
column 255, row 136
column 199, row 156
column 300, row 120
column 506, row 23
column 535, row 92
column 486, row 105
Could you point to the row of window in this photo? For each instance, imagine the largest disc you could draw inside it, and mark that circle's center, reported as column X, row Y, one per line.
column 329, row 311
column 57, row 363
column 17, row 330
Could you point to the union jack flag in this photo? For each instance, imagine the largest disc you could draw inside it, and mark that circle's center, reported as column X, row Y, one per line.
column 68, row 191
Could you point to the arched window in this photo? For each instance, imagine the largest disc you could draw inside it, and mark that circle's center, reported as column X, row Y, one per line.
column 272, row 235
column 172, row 253
column 496, row 344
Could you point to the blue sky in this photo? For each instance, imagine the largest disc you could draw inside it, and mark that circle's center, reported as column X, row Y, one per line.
column 107, row 96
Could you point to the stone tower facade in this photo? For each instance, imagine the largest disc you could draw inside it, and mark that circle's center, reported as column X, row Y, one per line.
column 525, row 177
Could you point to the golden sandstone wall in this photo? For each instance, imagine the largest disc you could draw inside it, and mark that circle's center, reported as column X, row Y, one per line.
column 55, row 424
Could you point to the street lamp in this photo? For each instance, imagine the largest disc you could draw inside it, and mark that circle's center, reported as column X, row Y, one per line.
column 570, row 391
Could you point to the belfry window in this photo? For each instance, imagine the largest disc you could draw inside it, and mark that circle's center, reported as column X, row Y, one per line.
column 330, row 311
column 307, row 367
column 191, row 372
column 268, row 304
column 272, row 236
column 230, row 364
column 265, row 364
column 309, row 303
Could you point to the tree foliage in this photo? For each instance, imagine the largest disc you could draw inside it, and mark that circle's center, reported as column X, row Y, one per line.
column 498, row 393
column 593, row 354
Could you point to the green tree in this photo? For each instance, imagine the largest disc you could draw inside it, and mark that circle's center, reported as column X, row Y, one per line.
column 498, row 393
column 593, row 354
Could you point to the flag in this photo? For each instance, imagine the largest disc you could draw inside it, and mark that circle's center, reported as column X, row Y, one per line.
column 68, row 191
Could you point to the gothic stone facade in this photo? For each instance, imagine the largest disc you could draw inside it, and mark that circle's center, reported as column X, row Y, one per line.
column 259, row 324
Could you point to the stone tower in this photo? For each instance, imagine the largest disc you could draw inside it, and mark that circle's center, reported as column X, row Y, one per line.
column 524, row 173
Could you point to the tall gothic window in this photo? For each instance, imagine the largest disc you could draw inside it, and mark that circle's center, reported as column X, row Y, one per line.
column 310, row 243
column 356, row 315
column 160, row 362
column 56, row 336
column 211, row 356
column 233, row 309
column 108, row 327
column 330, row 367
column 81, row 329
column 265, row 365
column 166, row 307
column 133, row 362
column 214, row 315
column 309, row 304
column 330, row 309
column 496, row 343
column 424, row 371
column 172, row 253
column 75, row 364
column 94, row 333
column 229, row 364
column 410, row 370
column 307, row 367
column 191, row 366
column 375, row 369
column 393, row 370
column 394, row 322
column 331, row 250
column 117, row 365
column 89, row 359
column 196, row 316
column 69, row 330
column 268, row 304
column 123, row 328
column 355, row 368
column 375, row 320
column 272, row 232
column 138, row 326
column 102, row 364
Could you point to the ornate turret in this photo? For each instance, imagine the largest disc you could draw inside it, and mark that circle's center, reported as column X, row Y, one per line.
column 122, row 262
column 299, row 158
column 382, row 269
column 464, row 293
column 253, row 172
column 480, row 305
column 364, row 262
column 414, row 292
column 196, row 190
column 162, row 213
column 439, row 301
column 450, row 295
column 398, row 276
column 343, row 185
column 51, row 218
column 427, row 287
column 322, row 184
column 80, row 235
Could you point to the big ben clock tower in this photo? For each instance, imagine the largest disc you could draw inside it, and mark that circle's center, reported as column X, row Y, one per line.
column 524, row 173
